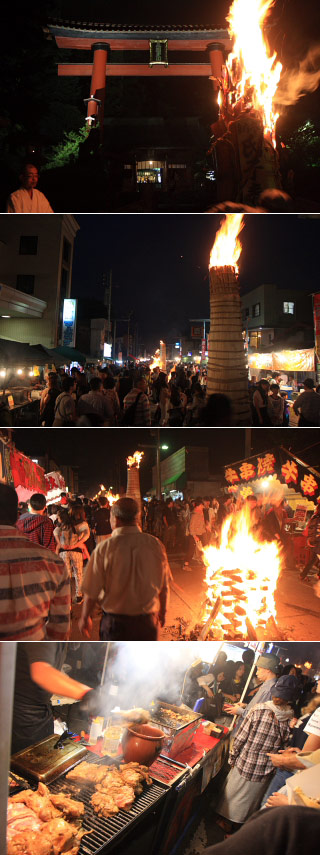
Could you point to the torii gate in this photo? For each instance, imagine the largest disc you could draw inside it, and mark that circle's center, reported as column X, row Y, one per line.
column 105, row 40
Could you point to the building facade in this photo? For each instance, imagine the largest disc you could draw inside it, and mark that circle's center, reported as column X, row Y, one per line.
column 36, row 257
column 277, row 318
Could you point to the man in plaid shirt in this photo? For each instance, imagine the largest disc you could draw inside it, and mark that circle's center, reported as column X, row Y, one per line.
column 35, row 595
column 259, row 733
column 36, row 525
column 265, row 729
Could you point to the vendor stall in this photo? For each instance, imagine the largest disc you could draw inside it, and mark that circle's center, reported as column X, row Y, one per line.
column 299, row 483
column 155, row 804
column 291, row 366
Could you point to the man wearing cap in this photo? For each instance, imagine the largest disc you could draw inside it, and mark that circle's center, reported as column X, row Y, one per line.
column 267, row 666
column 129, row 573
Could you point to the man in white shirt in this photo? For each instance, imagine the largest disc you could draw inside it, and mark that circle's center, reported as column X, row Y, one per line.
column 130, row 572
column 28, row 200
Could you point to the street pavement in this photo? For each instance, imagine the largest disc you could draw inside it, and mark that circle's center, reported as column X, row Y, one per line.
column 298, row 607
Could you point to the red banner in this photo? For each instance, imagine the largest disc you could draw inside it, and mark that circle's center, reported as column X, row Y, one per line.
column 26, row 473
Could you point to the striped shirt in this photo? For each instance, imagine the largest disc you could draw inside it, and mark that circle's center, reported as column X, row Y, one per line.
column 142, row 416
column 34, row 590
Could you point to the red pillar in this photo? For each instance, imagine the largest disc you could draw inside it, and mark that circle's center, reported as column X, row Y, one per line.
column 95, row 109
column 216, row 57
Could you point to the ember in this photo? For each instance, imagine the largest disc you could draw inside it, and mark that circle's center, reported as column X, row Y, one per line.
column 242, row 573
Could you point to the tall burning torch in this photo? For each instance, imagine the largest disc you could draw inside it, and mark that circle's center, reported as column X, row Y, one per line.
column 163, row 356
column 133, row 479
column 227, row 371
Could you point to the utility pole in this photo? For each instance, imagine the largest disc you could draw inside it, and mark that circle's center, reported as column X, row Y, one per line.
column 114, row 338
column 109, row 307
column 158, row 465
column 247, row 442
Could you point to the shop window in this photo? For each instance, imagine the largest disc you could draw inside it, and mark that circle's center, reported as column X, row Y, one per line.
column 25, row 283
column 28, row 245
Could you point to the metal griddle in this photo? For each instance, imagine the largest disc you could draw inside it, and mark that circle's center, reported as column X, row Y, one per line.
column 104, row 832
column 158, row 714
column 45, row 763
column 179, row 733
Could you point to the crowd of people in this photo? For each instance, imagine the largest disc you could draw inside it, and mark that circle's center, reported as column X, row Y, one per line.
column 270, row 406
column 276, row 734
column 140, row 395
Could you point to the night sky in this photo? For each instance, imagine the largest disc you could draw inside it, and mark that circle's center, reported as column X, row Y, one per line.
column 100, row 453
column 160, row 263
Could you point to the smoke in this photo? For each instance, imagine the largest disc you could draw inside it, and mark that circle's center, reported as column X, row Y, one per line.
column 150, row 671
column 297, row 82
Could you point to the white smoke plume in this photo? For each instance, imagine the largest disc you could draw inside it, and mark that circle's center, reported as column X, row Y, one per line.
column 294, row 83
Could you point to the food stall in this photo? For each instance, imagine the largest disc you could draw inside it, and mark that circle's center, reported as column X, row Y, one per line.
column 158, row 801
column 279, row 469
column 295, row 365
column 23, row 369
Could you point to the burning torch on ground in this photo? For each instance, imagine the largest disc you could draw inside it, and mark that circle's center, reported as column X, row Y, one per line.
column 227, row 370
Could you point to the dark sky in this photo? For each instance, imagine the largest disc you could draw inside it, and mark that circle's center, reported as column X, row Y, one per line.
column 101, row 453
column 160, row 263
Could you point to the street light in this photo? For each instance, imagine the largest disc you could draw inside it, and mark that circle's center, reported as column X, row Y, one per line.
column 159, row 447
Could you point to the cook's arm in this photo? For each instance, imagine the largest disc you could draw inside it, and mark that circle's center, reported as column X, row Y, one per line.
column 56, row 682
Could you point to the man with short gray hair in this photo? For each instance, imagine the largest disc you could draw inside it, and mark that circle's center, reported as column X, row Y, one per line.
column 130, row 574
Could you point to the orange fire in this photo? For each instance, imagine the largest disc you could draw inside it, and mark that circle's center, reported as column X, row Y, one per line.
column 112, row 497
column 243, row 572
column 227, row 248
column 253, row 70
column 156, row 361
column 135, row 459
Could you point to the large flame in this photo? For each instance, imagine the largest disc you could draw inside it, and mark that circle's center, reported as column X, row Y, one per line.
column 227, row 247
column 254, row 71
column 243, row 572
column 156, row 361
column 112, row 497
column 135, row 459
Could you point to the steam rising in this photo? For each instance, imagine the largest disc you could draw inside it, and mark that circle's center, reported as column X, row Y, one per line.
column 150, row 671
column 297, row 82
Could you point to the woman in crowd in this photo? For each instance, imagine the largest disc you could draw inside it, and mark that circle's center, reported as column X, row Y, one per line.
column 70, row 544
column 233, row 684
column 48, row 400
column 260, row 404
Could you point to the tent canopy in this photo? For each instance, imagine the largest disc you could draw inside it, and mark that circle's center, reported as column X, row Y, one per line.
column 71, row 354
column 17, row 352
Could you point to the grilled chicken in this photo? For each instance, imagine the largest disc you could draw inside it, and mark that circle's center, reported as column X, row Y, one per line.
column 69, row 807
column 55, row 837
column 129, row 771
column 104, row 804
column 39, row 802
column 87, row 773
